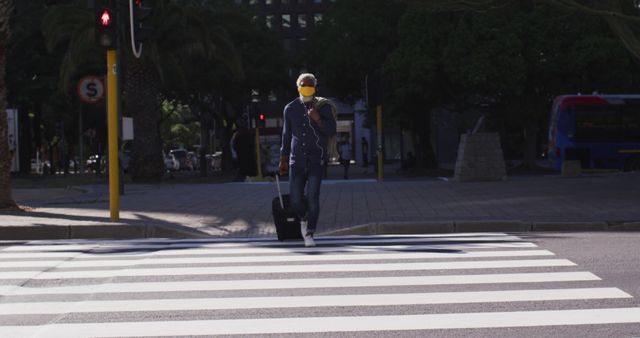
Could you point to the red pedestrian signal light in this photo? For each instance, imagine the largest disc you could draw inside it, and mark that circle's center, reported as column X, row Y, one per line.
column 105, row 18
column 261, row 122
column 106, row 23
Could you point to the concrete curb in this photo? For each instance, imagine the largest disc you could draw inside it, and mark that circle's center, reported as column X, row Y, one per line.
column 569, row 226
column 133, row 231
column 95, row 231
column 491, row 226
column 406, row 228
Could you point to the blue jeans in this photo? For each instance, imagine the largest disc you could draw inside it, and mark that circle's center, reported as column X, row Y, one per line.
column 311, row 176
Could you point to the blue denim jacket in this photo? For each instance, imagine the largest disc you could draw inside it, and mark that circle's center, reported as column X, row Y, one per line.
column 302, row 139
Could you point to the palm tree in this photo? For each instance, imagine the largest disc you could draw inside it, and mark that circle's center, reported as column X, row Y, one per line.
column 6, row 200
column 183, row 33
column 179, row 28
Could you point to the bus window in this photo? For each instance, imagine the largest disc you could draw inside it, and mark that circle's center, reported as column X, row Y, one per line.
column 606, row 124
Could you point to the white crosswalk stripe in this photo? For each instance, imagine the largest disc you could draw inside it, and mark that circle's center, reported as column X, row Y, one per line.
column 346, row 284
column 272, row 284
column 336, row 324
column 253, row 250
column 268, row 259
column 306, row 301
column 289, row 268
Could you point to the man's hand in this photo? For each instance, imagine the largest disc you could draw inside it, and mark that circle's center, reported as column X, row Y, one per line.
column 283, row 166
column 314, row 114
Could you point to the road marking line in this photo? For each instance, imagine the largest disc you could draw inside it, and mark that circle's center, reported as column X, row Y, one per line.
column 253, row 239
column 263, row 250
column 271, row 284
column 234, row 303
column 261, row 269
column 334, row 324
column 319, row 241
column 278, row 258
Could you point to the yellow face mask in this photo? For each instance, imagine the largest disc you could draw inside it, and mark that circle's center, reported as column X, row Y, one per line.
column 306, row 90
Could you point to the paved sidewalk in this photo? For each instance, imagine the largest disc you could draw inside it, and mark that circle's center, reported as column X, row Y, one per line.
column 590, row 202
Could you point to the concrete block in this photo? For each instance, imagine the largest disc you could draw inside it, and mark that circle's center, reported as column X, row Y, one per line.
column 491, row 226
column 571, row 168
column 480, row 158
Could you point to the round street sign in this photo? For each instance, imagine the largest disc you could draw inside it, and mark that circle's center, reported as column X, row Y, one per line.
column 90, row 89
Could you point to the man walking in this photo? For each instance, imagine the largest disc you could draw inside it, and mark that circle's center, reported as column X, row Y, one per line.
column 365, row 154
column 345, row 156
column 305, row 132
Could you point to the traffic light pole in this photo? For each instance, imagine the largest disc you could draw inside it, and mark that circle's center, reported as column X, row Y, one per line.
column 112, row 128
column 379, row 148
column 258, row 151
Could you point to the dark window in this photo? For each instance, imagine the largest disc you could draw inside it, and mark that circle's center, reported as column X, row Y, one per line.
column 614, row 123
column 269, row 20
column 286, row 21
column 302, row 20
column 317, row 18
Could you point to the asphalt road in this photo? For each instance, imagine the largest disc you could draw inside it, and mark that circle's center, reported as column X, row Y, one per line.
column 453, row 285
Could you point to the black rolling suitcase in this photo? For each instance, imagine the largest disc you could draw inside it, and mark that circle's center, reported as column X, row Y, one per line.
column 286, row 220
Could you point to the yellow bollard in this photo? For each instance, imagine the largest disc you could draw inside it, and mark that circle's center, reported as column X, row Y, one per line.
column 379, row 149
column 258, row 151
column 112, row 128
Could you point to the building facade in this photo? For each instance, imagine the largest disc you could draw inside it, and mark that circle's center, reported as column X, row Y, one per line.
column 292, row 21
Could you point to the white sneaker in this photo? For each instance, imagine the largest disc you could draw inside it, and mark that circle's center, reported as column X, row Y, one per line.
column 308, row 240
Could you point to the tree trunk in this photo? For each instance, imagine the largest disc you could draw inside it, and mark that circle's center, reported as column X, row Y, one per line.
column 142, row 102
column 421, row 128
column 6, row 199
column 530, row 149
column 204, row 142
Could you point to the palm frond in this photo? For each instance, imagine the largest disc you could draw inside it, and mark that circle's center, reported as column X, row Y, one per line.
column 62, row 22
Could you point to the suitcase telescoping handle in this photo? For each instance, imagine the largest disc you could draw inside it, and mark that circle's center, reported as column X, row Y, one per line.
column 279, row 193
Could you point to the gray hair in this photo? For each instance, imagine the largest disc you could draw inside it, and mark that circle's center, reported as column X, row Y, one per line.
column 305, row 76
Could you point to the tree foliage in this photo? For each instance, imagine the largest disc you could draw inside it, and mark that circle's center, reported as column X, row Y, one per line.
column 196, row 56
column 354, row 43
column 506, row 58
column 6, row 200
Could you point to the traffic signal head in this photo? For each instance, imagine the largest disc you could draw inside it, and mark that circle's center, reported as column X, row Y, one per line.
column 261, row 121
column 106, row 26
column 141, row 13
column 105, row 18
